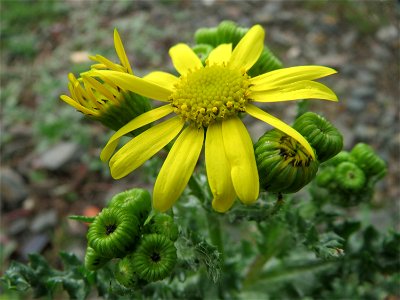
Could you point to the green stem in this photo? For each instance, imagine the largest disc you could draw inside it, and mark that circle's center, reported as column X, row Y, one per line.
column 286, row 272
column 255, row 269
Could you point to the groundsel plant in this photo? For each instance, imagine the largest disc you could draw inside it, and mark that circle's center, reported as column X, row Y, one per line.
column 274, row 243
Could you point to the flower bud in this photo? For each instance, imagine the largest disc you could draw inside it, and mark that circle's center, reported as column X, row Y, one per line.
column 350, row 177
column 137, row 201
column 283, row 164
column 155, row 258
column 125, row 273
column 113, row 233
column 322, row 135
column 163, row 224
column 368, row 161
column 228, row 32
column 93, row 260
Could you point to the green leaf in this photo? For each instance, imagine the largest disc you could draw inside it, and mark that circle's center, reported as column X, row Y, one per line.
column 82, row 218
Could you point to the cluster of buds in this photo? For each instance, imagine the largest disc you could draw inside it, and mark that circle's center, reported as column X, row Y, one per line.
column 139, row 242
column 349, row 178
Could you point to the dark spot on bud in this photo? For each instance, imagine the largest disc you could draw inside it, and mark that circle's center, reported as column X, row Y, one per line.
column 110, row 228
column 155, row 257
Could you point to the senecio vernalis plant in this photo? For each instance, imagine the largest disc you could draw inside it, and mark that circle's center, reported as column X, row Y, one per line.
column 271, row 244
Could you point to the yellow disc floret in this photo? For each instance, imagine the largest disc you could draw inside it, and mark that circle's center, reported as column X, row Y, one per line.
column 210, row 94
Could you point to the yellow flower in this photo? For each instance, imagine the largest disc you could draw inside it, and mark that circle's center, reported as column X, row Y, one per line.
column 88, row 95
column 104, row 100
column 207, row 99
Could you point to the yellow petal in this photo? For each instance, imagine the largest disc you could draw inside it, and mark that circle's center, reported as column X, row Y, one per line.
column 177, row 168
column 162, row 79
column 305, row 89
column 220, row 55
column 281, row 77
column 119, row 48
column 218, row 169
column 184, row 59
column 78, row 106
column 143, row 147
column 135, row 84
column 248, row 50
column 98, row 87
column 108, row 63
column 278, row 124
column 240, row 154
column 141, row 120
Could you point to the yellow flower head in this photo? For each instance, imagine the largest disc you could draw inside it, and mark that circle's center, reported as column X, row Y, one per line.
column 208, row 99
column 104, row 100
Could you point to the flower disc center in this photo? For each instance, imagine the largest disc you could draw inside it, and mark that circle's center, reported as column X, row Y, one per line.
column 210, row 94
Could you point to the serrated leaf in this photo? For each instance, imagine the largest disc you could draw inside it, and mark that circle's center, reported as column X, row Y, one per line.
column 82, row 218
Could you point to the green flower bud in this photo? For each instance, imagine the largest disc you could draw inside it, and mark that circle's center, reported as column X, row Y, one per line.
column 125, row 273
column 93, row 260
column 202, row 50
column 113, row 233
column 229, row 32
column 283, row 164
column 155, row 258
column 349, row 177
column 368, row 161
column 138, row 201
column 163, row 224
column 322, row 135
column 325, row 176
column 342, row 156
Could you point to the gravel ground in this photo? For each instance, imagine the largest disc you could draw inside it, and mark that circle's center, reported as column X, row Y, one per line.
column 43, row 181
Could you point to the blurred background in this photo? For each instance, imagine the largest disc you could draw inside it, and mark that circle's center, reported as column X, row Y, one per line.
column 50, row 166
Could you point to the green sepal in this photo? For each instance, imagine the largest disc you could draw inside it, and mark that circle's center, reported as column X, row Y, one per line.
column 321, row 134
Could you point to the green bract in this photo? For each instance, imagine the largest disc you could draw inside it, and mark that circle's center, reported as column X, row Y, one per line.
column 322, row 135
column 131, row 106
column 138, row 201
column 283, row 164
column 114, row 232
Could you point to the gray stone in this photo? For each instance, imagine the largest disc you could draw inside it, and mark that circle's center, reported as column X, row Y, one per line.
column 355, row 105
column 17, row 226
column 44, row 220
column 57, row 156
column 389, row 34
column 364, row 92
column 34, row 244
column 12, row 187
